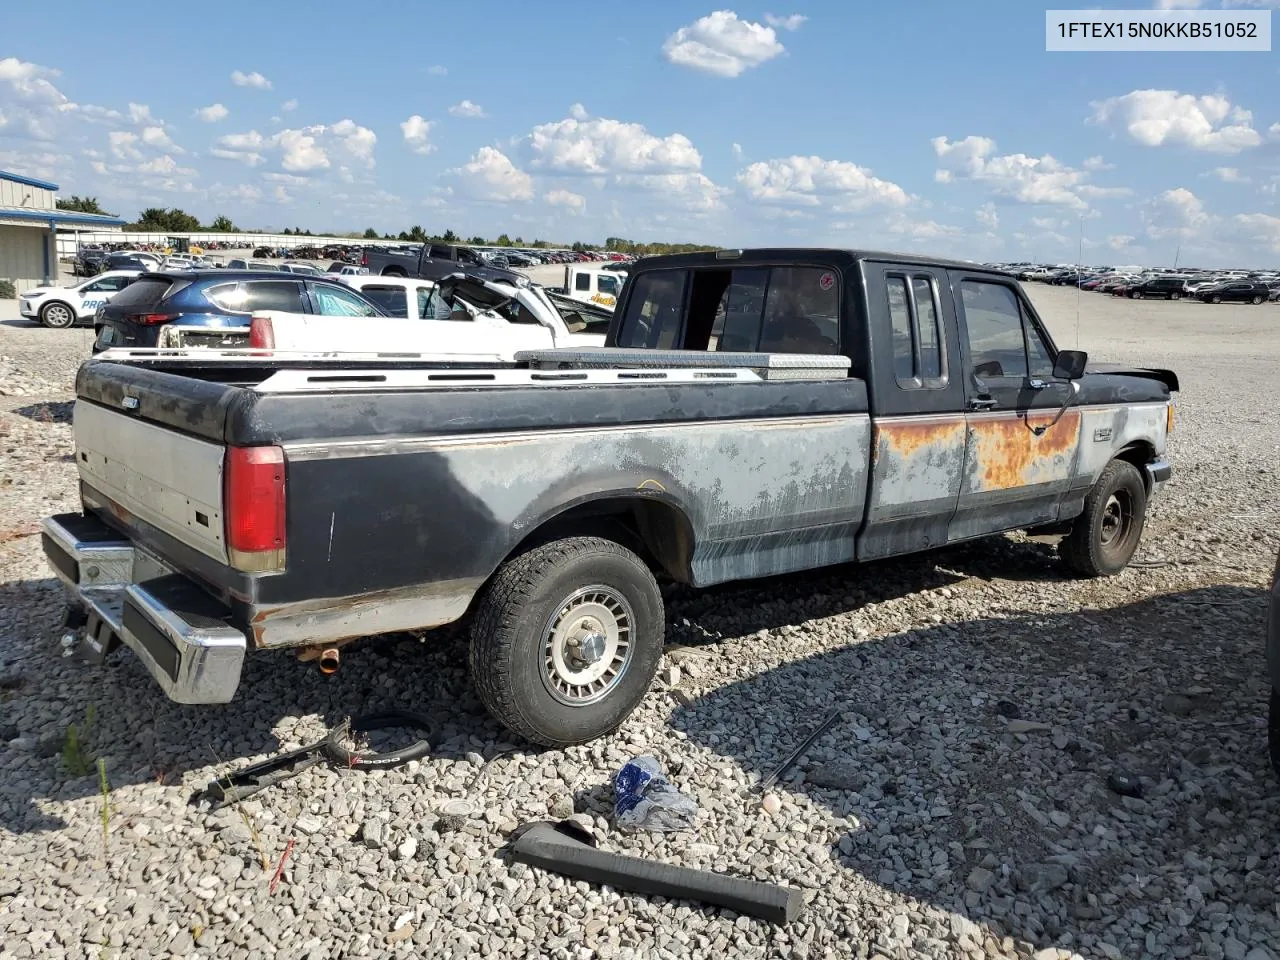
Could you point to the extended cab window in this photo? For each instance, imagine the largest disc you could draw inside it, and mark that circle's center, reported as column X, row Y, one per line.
column 390, row 298
column 654, row 310
column 764, row 308
column 582, row 281
column 1003, row 340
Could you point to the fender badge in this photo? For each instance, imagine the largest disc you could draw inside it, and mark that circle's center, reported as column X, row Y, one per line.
column 1101, row 434
column 129, row 403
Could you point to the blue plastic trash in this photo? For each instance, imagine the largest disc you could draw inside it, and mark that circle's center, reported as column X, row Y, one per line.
column 645, row 800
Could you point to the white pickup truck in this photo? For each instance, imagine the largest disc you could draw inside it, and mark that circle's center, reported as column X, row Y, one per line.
column 593, row 285
column 463, row 315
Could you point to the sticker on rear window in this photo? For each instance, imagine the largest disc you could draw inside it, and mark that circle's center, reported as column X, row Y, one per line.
column 827, row 281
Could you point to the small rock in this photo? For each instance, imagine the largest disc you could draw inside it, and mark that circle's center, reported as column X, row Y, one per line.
column 403, row 933
column 839, row 775
column 1043, row 877
column 671, row 676
column 408, row 848
column 1008, row 709
column 372, row 833
column 1178, row 705
column 593, row 927
column 771, row 804
column 1026, row 726
column 560, row 807
column 981, row 879
column 1259, row 953
column 308, row 825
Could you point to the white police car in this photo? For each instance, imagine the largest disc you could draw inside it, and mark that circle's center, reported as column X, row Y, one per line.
column 66, row 306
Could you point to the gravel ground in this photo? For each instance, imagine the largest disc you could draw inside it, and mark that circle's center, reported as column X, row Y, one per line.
column 958, row 808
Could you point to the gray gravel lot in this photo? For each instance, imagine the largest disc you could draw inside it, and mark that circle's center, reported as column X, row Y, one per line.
column 958, row 808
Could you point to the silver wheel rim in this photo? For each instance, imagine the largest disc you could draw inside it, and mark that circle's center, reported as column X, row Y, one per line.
column 56, row 315
column 587, row 645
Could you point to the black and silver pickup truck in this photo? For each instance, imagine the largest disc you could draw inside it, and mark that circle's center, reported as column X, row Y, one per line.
column 432, row 261
column 754, row 413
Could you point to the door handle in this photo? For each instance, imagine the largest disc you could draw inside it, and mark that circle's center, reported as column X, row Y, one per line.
column 1037, row 384
column 982, row 403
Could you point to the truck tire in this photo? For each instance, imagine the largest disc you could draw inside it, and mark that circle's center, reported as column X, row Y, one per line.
column 1273, row 737
column 1135, row 294
column 1104, row 537
column 566, row 640
column 393, row 272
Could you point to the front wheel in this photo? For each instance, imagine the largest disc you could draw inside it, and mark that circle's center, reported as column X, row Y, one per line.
column 566, row 640
column 1256, row 300
column 57, row 315
column 1135, row 295
column 1104, row 537
column 1217, row 299
column 1175, row 296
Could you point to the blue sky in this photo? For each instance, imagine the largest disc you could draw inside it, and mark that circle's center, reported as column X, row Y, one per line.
column 932, row 126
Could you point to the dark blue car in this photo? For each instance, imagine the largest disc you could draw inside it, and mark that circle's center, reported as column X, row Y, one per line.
column 216, row 299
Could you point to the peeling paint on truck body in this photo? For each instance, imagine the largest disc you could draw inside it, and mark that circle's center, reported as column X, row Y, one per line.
column 402, row 503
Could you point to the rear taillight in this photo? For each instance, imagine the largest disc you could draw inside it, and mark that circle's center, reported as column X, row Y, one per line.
column 153, row 319
column 364, row 259
column 254, row 507
column 261, row 334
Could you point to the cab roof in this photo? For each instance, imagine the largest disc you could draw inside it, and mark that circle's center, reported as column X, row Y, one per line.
column 824, row 255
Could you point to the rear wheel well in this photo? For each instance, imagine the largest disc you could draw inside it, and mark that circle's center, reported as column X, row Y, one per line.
column 393, row 272
column 657, row 531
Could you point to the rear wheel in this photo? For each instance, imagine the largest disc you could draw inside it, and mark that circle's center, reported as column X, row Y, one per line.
column 1104, row 537
column 1256, row 300
column 57, row 315
column 1175, row 296
column 1216, row 299
column 1135, row 294
column 567, row 639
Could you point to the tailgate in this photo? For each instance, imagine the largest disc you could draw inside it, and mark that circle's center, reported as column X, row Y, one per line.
column 156, row 451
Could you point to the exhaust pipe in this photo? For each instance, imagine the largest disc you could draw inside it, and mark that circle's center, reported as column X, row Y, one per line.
column 330, row 660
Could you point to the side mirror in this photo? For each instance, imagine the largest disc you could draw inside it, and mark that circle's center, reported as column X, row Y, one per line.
column 1070, row 365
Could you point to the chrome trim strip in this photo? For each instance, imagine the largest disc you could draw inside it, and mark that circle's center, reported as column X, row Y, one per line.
column 365, row 447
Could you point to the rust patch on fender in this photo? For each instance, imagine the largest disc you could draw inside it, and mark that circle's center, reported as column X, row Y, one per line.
column 1007, row 455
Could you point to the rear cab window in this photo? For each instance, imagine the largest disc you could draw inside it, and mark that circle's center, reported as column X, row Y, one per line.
column 749, row 308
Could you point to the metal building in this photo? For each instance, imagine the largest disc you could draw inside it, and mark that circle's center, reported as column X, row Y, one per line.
column 29, row 224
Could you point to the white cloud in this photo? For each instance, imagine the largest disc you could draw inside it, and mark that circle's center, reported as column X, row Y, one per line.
column 987, row 216
column 689, row 192
column 158, row 138
column 32, row 102
column 1174, row 213
column 212, row 113
column 300, row 149
column 813, row 181
column 281, row 195
column 902, row 226
column 248, row 157
column 576, row 203
column 417, row 134
column 1227, row 175
column 1097, row 163
column 1225, row 4
column 1048, row 223
column 1118, row 241
column 243, row 192
column 290, row 104
column 721, row 44
column 737, row 150
column 436, row 70
column 1094, row 192
column 468, row 109
column 356, row 140
column 792, row 22
column 586, row 145
column 140, row 113
column 1255, row 229
column 491, row 176
column 122, row 145
column 1015, row 175
column 164, row 166
column 255, row 80
column 1154, row 118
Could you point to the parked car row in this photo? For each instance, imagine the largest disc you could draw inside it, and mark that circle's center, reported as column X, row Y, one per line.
column 1136, row 283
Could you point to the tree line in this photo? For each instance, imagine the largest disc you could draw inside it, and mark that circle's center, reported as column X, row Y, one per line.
column 174, row 220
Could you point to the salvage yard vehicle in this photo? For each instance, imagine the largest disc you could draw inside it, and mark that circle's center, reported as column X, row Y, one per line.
column 208, row 302
column 598, row 285
column 61, row 307
column 1234, row 291
column 431, row 261
column 754, row 413
column 461, row 315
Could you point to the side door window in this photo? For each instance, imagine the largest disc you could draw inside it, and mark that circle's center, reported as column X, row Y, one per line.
column 282, row 295
column 993, row 321
column 332, row 302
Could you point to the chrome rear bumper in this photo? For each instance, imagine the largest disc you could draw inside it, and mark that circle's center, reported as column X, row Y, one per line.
column 179, row 632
